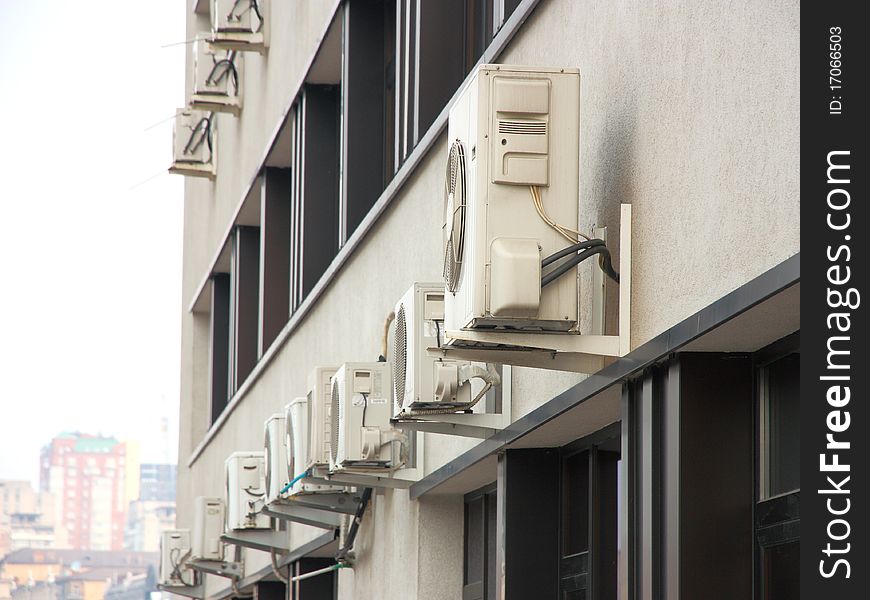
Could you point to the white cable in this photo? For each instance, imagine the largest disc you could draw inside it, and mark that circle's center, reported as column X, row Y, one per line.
column 281, row 577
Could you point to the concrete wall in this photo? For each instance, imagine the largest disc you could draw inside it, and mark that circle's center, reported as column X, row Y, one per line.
column 689, row 111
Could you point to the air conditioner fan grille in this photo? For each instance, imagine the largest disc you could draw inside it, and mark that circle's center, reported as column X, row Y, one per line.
column 454, row 215
column 400, row 356
column 336, row 416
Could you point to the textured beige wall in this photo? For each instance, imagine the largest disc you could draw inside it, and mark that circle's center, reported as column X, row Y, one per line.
column 689, row 112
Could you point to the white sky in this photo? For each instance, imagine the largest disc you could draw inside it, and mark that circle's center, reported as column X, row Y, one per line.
column 90, row 291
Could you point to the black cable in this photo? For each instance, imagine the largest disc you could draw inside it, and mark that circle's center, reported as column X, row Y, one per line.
column 354, row 525
column 571, row 249
column 365, row 406
column 607, row 267
column 437, row 333
column 205, row 137
column 230, row 68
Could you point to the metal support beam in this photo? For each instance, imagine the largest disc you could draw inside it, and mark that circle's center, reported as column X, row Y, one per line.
column 221, row 568
column 323, row 519
column 258, row 539
column 189, row 591
column 471, row 425
column 374, row 479
column 338, row 502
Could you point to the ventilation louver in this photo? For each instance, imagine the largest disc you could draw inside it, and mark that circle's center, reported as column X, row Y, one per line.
column 522, row 127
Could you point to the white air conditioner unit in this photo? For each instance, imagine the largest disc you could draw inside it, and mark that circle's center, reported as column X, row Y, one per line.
column 422, row 382
column 174, row 550
column 240, row 24
column 216, row 78
column 208, row 525
column 245, row 478
column 193, row 140
column 362, row 437
column 275, row 449
column 514, row 132
column 299, row 425
column 319, row 408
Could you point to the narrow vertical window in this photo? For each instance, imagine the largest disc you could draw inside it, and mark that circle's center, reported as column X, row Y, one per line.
column 219, row 332
column 588, row 550
column 315, row 187
column 479, row 568
column 244, row 304
column 777, row 512
column 274, row 255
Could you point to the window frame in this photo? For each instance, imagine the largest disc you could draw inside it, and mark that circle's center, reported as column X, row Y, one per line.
column 776, row 518
column 484, row 588
column 592, row 444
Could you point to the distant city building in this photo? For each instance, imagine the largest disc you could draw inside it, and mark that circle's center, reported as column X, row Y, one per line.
column 26, row 518
column 31, row 574
column 157, row 482
column 90, row 478
column 154, row 511
column 133, row 587
column 146, row 520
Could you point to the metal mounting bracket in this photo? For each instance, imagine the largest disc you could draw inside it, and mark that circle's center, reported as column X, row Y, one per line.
column 306, row 515
column 339, row 502
column 189, row 591
column 471, row 425
column 194, row 169
column 373, row 479
column 258, row 539
column 217, row 103
column 221, row 568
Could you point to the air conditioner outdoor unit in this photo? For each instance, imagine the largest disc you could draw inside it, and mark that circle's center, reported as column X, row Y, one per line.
column 275, row 450
column 174, row 550
column 320, row 408
column 193, row 143
column 208, row 525
column 216, row 78
column 240, row 24
column 423, row 383
column 512, row 167
column 299, row 425
column 362, row 437
column 245, row 473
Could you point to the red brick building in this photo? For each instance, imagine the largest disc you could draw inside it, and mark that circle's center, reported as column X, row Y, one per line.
column 87, row 476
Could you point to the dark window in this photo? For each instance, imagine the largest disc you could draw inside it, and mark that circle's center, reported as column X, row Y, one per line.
column 781, row 416
column 479, row 576
column 219, row 341
column 437, row 44
column 588, row 552
column 244, row 304
column 777, row 511
column 275, row 259
column 367, row 89
column 315, row 186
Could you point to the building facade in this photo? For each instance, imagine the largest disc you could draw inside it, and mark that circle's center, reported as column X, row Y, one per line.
column 88, row 477
column 67, row 574
column 157, row 482
column 669, row 472
column 154, row 510
column 26, row 518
